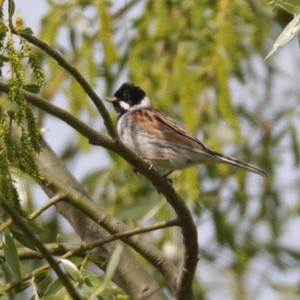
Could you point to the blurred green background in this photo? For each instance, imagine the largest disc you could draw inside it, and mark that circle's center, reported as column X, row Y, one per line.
column 201, row 62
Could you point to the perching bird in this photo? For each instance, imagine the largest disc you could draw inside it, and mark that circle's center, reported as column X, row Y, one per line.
column 159, row 140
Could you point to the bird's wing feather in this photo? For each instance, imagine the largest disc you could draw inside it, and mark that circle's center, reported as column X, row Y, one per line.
column 161, row 126
column 164, row 129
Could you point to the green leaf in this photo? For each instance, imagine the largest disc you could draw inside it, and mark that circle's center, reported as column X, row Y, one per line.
column 53, row 288
column 32, row 88
column 19, row 236
column 22, row 286
column 2, row 289
column 288, row 33
column 3, row 27
column 41, row 276
column 35, row 227
column 27, row 31
column 292, row 6
column 3, row 58
column 11, row 254
column 295, row 145
column 71, row 268
column 97, row 259
column 92, row 282
column 35, row 294
column 111, row 268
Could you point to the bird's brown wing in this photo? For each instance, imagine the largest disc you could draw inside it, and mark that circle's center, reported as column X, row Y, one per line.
column 166, row 133
column 161, row 127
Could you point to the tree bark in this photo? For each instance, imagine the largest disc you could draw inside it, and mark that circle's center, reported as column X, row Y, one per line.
column 131, row 276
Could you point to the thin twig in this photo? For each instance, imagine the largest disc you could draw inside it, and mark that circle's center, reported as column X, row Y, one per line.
column 184, row 286
column 68, row 251
column 91, row 210
column 73, row 250
column 44, row 251
column 9, row 286
column 189, row 231
column 125, row 9
column 63, row 115
column 76, row 74
column 55, row 199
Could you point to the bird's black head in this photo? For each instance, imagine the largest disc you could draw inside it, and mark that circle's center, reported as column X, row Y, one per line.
column 127, row 96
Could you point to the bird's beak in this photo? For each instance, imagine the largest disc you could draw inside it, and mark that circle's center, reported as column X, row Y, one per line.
column 111, row 99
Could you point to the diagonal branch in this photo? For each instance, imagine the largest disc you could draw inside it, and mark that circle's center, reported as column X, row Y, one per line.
column 58, row 176
column 118, row 14
column 68, row 251
column 55, row 199
column 190, row 256
column 44, row 251
column 189, row 231
column 77, row 76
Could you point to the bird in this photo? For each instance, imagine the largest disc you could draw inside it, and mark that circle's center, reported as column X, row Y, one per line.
column 160, row 141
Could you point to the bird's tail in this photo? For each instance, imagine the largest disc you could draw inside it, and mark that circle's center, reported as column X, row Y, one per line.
column 239, row 164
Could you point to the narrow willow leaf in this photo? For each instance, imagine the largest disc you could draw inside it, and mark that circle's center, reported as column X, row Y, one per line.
column 32, row 88
column 292, row 6
column 3, row 27
column 92, row 282
column 295, row 145
column 11, row 254
column 27, row 31
column 289, row 32
column 3, row 58
column 96, row 259
column 71, row 269
column 224, row 103
column 21, row 287
column 53, row 288
column 19, row 236
column 35, row 295
column 35, row 227
column 111, row 268
column 2, row 289
column 41, row 276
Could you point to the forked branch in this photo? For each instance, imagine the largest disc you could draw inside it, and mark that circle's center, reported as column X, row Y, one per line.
column 190, row 256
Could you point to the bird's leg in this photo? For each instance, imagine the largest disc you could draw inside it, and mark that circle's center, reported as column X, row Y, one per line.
column 169, row 179
column 147, row 161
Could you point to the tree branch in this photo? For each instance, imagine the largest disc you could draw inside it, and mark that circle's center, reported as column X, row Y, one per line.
column 68, row 250
column 55, row 199
column 44, row 251
column 125, row 9
column 76, row 74
column 189, row 231
column 63, row 115
column 53, row 169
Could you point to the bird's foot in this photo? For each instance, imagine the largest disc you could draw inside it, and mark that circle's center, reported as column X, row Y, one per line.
column 150, row 167
column 170, row 181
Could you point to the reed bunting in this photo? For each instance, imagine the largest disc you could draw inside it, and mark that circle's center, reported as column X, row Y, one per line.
column 160, row 141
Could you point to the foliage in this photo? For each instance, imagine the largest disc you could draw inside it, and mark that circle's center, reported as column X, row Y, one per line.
column 202, row 62
column 16, row 111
